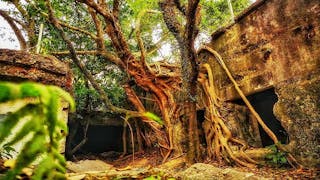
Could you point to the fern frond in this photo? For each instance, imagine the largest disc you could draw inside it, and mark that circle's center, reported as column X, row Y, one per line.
column 44, row 124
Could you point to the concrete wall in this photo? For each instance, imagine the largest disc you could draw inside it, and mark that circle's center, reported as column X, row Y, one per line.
column 276, row 44
column 275, row 40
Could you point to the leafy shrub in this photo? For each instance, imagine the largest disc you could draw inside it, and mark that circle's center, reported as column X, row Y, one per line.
column 276, row 158
column 45, row 127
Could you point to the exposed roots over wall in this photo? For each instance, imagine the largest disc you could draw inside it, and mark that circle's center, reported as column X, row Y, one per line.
column 218, row 136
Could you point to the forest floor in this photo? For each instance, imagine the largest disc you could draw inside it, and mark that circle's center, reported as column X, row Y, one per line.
column 149, row 165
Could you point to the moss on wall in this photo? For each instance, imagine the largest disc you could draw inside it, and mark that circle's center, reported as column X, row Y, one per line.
column 298, row 109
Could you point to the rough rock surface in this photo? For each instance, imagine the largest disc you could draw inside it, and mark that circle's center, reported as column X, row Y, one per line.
column 210, row 172
column 88, row 165
column 22, row 66
column 298, row 109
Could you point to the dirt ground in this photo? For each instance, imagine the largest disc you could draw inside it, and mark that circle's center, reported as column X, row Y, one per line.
column 149, row 164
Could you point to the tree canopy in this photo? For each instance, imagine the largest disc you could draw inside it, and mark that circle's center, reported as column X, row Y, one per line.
column 25, row 18
column 121, row 48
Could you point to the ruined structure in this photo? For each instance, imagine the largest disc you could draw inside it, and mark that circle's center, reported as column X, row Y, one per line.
column 275, row 47
column 18, row 66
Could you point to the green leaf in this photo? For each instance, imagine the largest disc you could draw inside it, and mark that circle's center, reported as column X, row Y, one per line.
column 43, row 167
column 153, row 117
column 273, row 148
column 28, row 127
column 59, row 157
column 54, row 175
column 8, row 91
column 29, row 89
column 31, row 150
column 153, row 178
column 44, row 125
column 53, row 112
column 11, row 120
column 283, row 160
column 4, row 92
column 65, row 96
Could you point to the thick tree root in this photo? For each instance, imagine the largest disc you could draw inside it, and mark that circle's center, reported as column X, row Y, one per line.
column 218, row 136
column 257, row 154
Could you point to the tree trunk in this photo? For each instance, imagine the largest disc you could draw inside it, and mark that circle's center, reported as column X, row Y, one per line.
column 185, row 35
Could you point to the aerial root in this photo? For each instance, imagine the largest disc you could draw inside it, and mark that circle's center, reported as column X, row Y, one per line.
column 131, row 135
column 218, row 136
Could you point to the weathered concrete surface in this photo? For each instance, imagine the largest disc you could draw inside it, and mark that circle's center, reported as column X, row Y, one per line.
column 21, row 66
column 272, row 42
column 298, row 109
column 276, row 43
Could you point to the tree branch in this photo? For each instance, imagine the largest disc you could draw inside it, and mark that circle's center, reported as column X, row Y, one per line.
column 82, row 67
column 16, row 30
column 64, row 24
column 30, row 24
column 116, row 8
column 181, row 8
column 169, row 16
column 23, row 12
column 77, row 29
column 99, row 29
column 22, row 24
column 113, row 30
column 155, row 46
column 107, row 56
column 101, row 8
column 192, row 20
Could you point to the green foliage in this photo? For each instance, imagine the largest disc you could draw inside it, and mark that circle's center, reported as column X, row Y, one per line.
column 109, row 77
column 153, row 177
column 276, row 158
column 42, row 123
column 153, row 117
column 6, row 152
column 216, row 14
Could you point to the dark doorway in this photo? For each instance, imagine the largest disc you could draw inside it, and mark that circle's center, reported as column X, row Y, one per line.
column 201, row 119
column 263, row 103
column 100, row 139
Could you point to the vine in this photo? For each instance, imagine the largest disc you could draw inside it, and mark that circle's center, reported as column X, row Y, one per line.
column 43, row 124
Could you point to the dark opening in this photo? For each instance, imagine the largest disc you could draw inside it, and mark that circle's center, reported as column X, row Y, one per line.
column 263, row 103
column 99, row 139
column 200, row 119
